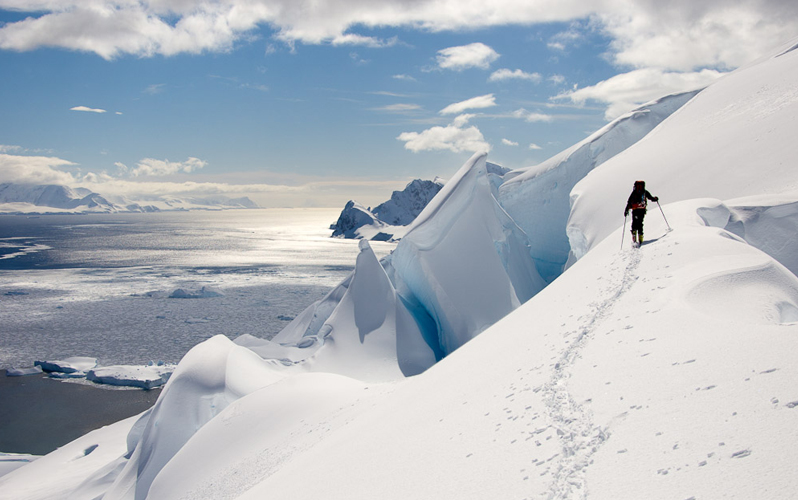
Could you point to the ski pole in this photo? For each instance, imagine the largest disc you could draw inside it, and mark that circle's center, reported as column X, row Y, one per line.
column 624, row 231
column 663, row 216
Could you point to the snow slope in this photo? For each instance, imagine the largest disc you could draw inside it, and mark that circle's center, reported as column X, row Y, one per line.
column 660, row 372
column 735, row 139
column 538, row 198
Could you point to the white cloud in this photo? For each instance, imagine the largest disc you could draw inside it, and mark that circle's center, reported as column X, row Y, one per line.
column 534, row 146
column 508, row 142
column 366, row 41
column 34, row 170
column 531, row 116
column 86, row 109
column 399, row 108
column 557, row 79
column 506, row 74
column 479, row 102
column 406, row 78
column 155, row 88
column 454, row 137
column 626, row 91
column 681, row 35
column 475, row 55
column 686, row 35
column 153, row 167
column 4, row 148
column 267, row 188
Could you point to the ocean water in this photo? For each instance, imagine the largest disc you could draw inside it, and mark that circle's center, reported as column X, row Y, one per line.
column 101, row 285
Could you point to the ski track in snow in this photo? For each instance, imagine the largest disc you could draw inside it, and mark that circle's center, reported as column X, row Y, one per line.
column 578, row 436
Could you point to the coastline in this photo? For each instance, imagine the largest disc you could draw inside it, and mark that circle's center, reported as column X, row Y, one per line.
column 39, row 414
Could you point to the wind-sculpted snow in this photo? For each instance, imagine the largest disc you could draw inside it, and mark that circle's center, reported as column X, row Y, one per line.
column 768, row 223
column 210, row 377
column 538, row 198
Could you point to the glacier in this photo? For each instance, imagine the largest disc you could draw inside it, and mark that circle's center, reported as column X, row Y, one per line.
column 508, row 348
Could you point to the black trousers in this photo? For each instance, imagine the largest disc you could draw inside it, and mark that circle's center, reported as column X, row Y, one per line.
column 638, row 215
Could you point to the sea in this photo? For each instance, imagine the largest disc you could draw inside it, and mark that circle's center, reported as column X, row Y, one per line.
column 147, row 287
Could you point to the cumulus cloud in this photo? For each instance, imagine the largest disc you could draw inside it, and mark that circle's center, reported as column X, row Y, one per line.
column 475, row 55
column 685, row 35
column 534, row 146
column 506, row 74
column 34, row 170
column 626, row 91
column 479, row 102
column 680, row 35
column 508, row 142
column 406, row 78
column 87, row 109
column 455, row 137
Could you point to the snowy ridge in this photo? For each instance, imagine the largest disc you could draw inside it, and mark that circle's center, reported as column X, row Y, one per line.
column 665, row 371
column 538, row 198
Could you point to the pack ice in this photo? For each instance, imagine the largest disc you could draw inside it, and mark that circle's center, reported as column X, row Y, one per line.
column 508, row 348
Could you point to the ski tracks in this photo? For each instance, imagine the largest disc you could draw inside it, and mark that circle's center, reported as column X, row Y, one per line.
column 579, row 437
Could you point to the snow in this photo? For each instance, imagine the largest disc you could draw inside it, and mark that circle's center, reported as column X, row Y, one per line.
column 12, row 461
column 538, row 198
column 660, row 372
column 734, row 140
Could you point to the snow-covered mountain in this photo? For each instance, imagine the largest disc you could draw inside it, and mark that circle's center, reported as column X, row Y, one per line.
column 54, row 196
column 387, row 219
column 659, row 372
column 34, row 198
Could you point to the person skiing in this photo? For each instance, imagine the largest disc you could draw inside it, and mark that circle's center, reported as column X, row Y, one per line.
column 637, row 204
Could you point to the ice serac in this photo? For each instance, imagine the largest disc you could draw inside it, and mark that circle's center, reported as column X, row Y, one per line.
column 730, row 141
column 362, row 329
column 463, row 264
column 538, row 198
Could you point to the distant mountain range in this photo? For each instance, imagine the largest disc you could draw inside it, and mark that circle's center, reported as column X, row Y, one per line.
column 41, row 198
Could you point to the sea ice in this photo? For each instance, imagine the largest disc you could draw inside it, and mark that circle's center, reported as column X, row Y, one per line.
column 72, row 365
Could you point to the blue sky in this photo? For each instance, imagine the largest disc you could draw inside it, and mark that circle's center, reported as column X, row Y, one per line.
column 310, row 104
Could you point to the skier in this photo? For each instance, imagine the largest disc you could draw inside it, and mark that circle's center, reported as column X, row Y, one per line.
column 637, row 204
